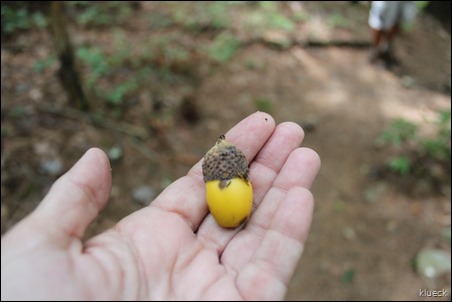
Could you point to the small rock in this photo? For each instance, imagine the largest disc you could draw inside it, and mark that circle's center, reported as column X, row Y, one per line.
column 391, row 226
column 349, row 233
column 143, row 195
column 431, row 263
column 35, row 94
column 373, row 193
column 52, row 167
column 44, row 149
column 115, row 153
column 408, row 81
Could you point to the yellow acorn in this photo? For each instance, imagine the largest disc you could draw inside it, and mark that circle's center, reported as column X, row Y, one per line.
column 229, row 192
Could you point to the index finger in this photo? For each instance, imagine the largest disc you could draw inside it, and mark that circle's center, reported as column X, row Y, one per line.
column 186, row 196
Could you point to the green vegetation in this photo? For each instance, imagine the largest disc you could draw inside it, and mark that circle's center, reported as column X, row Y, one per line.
column 348, row 276
column 118, row 73
column 421, row 4
column 117, row 95
column 337, row 20
column 101, row 13
column 41, row 65
column 400, row 164
column 416, row 151
column 100, row 66
column 223, row 47
column 400, row 131
column 438, row 147
column 263, row 104
column 16, row 18
column 198, row 16
column 94, row 58
column 268, row 17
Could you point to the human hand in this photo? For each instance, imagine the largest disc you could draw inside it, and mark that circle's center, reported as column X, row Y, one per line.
column 172, row 249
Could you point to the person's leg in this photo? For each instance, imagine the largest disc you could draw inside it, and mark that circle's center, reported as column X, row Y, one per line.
column 377, row 37
column 393, row 31
column 387, row 52
column 377, row 22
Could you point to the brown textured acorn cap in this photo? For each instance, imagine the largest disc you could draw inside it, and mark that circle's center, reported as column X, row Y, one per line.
column 224, row 161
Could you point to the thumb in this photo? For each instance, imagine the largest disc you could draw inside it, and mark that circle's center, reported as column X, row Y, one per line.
column 76, row 198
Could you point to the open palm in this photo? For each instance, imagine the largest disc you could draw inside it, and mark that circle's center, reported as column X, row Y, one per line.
column 172, row 249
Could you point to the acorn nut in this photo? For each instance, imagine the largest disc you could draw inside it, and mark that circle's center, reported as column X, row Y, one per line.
column 229, row 192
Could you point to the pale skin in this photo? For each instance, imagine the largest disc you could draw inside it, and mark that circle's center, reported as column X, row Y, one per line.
column 173, row 249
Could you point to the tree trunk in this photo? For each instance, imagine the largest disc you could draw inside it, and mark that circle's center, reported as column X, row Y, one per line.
column 67, row 73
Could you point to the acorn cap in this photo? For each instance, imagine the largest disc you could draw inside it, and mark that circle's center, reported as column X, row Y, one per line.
column 224, row 161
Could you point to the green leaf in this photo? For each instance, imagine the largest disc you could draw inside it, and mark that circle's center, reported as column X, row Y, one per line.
column 399, row 131
column 337, row 20
column 116, row 96
column 281, row 22
column 348, row 276
column 263, row 104
column 401, row 165
column 40, row 65
column 223, row 47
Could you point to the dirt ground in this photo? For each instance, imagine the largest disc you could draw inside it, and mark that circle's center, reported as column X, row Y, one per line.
column 366, row 230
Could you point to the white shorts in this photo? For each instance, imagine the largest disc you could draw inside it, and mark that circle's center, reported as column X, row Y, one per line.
column 385, row 14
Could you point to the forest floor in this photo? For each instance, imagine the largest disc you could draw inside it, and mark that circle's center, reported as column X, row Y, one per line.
column 368, row 225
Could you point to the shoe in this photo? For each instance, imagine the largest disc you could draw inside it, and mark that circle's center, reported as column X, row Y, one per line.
column 374, row 55
column 389, row 59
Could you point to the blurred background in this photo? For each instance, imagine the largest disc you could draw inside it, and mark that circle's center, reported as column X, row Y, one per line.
column 155, row 83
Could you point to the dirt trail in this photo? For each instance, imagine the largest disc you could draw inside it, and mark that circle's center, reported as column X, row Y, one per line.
column 344, row 103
